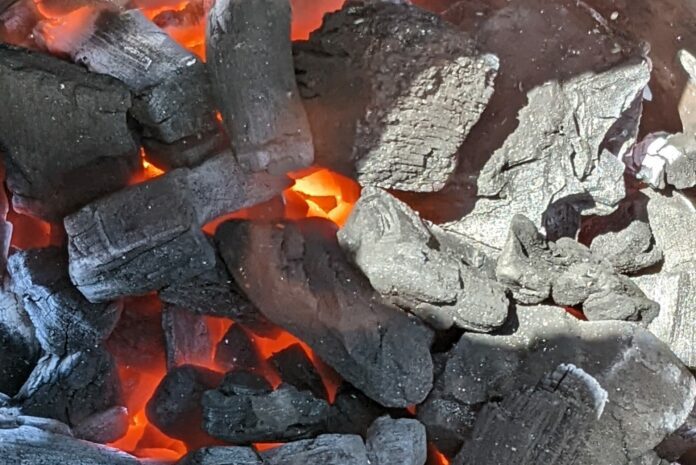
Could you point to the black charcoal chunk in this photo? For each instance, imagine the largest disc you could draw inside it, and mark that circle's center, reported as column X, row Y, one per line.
column 64, row 133
column 327, row 449
column 245, row 409
column 221, row 456
column 630, row 250
column 391, row 92
column 20, row 348
column 547, row 423
column 295, row 368
column 65, row 321
column 396, row 442
column 236, row 351
column 250, row 62
column 175, row 407
column 305, row 285
column 104, row 427
column 187, row 337
column 352, row 412
column 405, row 263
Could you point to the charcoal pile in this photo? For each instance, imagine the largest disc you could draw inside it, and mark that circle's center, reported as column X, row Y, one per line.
column 185, row 278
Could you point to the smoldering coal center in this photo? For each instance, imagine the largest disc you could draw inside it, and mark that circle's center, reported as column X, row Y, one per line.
column 514, row 133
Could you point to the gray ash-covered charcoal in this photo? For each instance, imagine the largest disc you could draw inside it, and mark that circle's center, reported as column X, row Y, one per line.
column 405, row 263
column 20, row 348
column 546, row 423
column 236, row 351
column 65, row 321
column 305, row 285
column 681, row 171
column 671, row 217
column 245, row 409
column 327, row 449
column 187, row 337
column 391, row 92
column 630, row 250
column 679, row 442
column 249, row 55
column 175, row 407
column 231, row 455
column 352, row 412
column 104, row 427
column 295, row 368
column 396, row 442
column 566, row 271
column 64, row 133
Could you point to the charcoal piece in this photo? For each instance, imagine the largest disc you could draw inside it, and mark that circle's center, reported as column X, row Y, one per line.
column 250, row 61
column 295, row 368
column 396, row 442
column 391, row 92
column 547, row 423
column 76, row 148
column 6, row 4
column 172, row 99
column 245, row 409
column 535, row 269
column 681, row 172
column 236, row 351
column 20, row 348
column 650, row 393
column 563, row 130
column 221, row 456
column 630, row 250
column 104, row 427
column 448, row 423
column 148, row 236
column 352, row 412
column 12, row 417
column 670, row 217
column 327, row 449
column 72, row 388
column 405, row 263
column 561, row 219
column 679, row 442
column 305, row 285
column 186, row 337
column 175, row 407
column 65, row 321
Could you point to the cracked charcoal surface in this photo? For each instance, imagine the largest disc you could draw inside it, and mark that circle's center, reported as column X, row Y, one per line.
column 630, row 250
column 327, row 449
column 396, row 442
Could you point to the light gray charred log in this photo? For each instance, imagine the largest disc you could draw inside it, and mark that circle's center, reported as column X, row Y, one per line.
column 327, row 449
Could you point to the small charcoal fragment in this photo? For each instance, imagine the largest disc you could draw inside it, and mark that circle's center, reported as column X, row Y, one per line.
column 295, row 368
column 20, row 348
column 327, row 449
column 221, row 456
column 236, row 351
column 103, row 427
column 630, row 250
column 396, row 442
column 186, row 336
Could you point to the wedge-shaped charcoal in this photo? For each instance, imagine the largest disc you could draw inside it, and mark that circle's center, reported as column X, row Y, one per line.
column 250, row 61
column 305, row 285
column 352, row 412
column 65, row 321
column 64, row 133
column 327, row 449
column 221, row 456
column 547, row 423
column 175, row 408
column 535, row 269
column 172, row 91
column 148, row 236
column 405, row 262
column 295, row 368
column 103, row 427
column 20, row 348
column 246, row 409
column 563, row 130
column 391, row 92
column 72, row 388
column 650, row 392
column 630, row 250
column 236, row 351
column 186, row 336
column 396, row 442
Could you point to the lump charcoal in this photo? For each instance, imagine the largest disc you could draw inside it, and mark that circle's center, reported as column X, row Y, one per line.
column 296, row 369
column 327, row 449
column 561, row 219
column 78, row 147
column 250, row 61
column 679, row 442
column 546, row 423
column 563, row 129
column 630, row 250
column 148, row 236
column 396, row 442
column 11, row 417
column 65, row 321
column 245, row 409
column 391, row 92
column 650, row 392
column 352, row 412
column 535, row 269
column 72, row 388
column 20, row 348
column 319, row 297
column 186, row 337
column 236, row 351
column 404, row 262
column 670, row 218
column 175, row 407
column 103, row 427
column 231, row 455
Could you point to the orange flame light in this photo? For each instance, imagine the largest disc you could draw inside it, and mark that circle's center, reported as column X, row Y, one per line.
column 435, row 457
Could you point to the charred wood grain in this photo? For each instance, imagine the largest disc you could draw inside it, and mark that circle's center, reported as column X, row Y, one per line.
column 328, row 449
column 186, row 336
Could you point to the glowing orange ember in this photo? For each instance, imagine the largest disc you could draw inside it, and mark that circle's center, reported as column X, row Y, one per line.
column 62, row 33
column 435, row 457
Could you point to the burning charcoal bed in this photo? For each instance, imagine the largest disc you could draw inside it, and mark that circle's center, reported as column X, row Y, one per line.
column 360, row 232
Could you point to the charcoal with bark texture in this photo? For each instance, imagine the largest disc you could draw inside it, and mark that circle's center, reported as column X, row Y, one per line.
column 405, row 263
column 175, row 407
column 20, row 348
column 236, row 351
column 547, row 423
column 352, row 412
column 650, row 392
column 221, row 456
column 72, row 388
column 295, row 368
column 567, row 272
column 249, row 56
column 186, row 336
column 396, row 442
column 65, row 321
column 305, row 285
column 64, row 133
column 148, row 236
column 245, row 409
column 391, row 92
column 630, row 250
column 103, row 427
column 172, row 99
column 562, row 130
column 327, row 449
